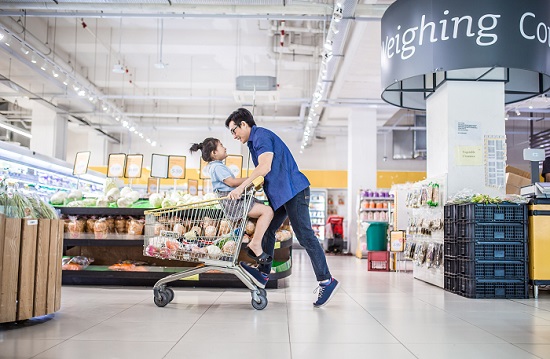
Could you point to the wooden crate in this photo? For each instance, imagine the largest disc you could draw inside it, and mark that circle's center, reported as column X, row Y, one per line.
column 30, row 267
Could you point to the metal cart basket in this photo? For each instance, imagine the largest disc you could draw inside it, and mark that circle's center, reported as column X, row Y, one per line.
column 209, row 232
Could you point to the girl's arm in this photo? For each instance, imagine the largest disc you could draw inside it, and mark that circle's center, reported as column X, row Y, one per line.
column 233, row 182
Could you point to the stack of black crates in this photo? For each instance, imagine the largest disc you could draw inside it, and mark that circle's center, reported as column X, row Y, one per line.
column 486, row 253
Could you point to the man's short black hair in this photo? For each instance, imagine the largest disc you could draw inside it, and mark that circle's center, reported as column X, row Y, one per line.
column 240, row 115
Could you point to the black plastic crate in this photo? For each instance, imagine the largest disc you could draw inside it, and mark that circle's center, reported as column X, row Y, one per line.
column 510, row 251
column 492, row 269
column 450, row 283
column 478, row 288
column 501, row 212
column 450, row 265
column 449, row 229
column 492, row 231
column 449, row 212
column 450, row 247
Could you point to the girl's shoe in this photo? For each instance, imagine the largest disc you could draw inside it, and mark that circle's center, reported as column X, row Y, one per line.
column 263, row 258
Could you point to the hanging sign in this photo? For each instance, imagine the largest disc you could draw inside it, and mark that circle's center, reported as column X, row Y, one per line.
column 159, row 166
column 115, row 165
column 134, row 164
column 235, row 164
column 176, row 167
column 424, row 42
column 81, row 161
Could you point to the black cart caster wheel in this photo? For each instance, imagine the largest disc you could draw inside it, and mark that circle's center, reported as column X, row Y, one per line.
column 162, row 299
column 262, row 292
column 170, row 293
column 261, row 304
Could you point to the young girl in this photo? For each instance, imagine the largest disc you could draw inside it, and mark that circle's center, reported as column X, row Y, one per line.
column 223, row 182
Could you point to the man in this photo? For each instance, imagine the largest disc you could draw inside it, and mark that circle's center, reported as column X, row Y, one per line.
column 546, row 169
column 288, row 192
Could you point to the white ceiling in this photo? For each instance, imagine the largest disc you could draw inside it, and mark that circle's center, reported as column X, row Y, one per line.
column 206, row 44
column 204, row 52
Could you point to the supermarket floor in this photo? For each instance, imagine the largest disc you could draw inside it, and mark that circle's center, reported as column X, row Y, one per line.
column 374, row 314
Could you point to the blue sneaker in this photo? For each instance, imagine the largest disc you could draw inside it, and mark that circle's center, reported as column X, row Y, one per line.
column 325, row 292
column 259, row 278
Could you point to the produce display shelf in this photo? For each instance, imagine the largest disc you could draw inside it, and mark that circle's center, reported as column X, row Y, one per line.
column 126, row 240
column 101, row 275
column 374, row 209
column 377, row 198
column 102, row 211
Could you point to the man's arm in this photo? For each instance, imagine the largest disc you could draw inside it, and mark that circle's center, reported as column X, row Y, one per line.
column 264, row 167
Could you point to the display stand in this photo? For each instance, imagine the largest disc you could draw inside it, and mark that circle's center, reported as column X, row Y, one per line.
column 425, row 230
column 372, row 208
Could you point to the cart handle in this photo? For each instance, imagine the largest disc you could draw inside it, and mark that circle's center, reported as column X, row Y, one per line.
column 256, row 184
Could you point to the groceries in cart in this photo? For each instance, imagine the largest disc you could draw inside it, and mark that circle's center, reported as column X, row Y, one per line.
column 207, row 232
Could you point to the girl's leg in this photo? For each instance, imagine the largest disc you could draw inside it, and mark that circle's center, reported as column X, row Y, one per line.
column 264, row 214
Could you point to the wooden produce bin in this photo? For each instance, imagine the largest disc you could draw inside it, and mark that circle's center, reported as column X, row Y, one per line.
column 30, row 267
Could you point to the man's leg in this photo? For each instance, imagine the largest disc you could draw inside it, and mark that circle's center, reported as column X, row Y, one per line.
column 298, row 213
column 268, row 241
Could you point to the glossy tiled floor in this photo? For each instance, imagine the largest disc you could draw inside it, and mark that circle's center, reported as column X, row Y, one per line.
column 374, row 315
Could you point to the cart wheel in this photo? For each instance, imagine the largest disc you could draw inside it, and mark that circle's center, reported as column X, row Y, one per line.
column 263, row 292
column 170, row 293
column 163, row 300
column 261, row 304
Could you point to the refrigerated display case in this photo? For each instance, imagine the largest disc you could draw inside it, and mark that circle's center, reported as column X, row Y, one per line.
column 318, row 212
column 45, row 175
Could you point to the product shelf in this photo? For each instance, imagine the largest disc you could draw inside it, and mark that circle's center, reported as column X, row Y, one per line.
column 131, row 247
column 374, row 209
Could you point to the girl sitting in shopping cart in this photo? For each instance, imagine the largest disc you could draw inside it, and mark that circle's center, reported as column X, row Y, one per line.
column 223, row 182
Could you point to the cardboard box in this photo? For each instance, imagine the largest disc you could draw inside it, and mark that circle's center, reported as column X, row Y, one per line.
column 517, row 171
column 512, row 189
column 516, row 180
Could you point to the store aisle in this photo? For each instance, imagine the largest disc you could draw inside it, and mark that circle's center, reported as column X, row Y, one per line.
column 375, row 315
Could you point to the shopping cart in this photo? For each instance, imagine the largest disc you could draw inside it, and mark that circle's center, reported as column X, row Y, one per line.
column 208, row 232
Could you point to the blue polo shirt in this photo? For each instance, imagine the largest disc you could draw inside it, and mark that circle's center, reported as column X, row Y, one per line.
column 285, row 180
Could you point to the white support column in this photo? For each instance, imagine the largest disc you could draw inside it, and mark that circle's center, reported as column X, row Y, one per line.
column 97, row 145
column 361, row 164
column 479, row 106
column 49, row 132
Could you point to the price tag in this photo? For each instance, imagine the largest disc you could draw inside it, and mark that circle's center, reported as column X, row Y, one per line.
column 235, row 164
column 115, row 166
column 81, row 162
column 32, row 222
column 133, row 166
column 176, row 167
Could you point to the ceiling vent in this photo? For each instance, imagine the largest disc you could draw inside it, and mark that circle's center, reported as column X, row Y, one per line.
column 250, row 98
column 256, row 83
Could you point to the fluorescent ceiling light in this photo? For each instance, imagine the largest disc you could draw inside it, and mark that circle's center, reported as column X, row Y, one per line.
column 118, row 69
column 15, row 129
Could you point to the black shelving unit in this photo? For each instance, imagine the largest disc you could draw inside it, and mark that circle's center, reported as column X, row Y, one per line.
column 486, row 252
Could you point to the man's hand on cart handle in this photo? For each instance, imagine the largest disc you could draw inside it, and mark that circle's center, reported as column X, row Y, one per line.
column 236, row 193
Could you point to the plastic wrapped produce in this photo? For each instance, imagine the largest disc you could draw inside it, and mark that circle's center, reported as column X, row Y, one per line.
column 101, row 228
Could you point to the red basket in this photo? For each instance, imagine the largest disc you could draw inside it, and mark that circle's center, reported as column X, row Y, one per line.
column 378, row 261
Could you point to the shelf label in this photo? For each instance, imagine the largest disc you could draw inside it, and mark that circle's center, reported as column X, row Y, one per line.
column 193, row 277
column 32, row 222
